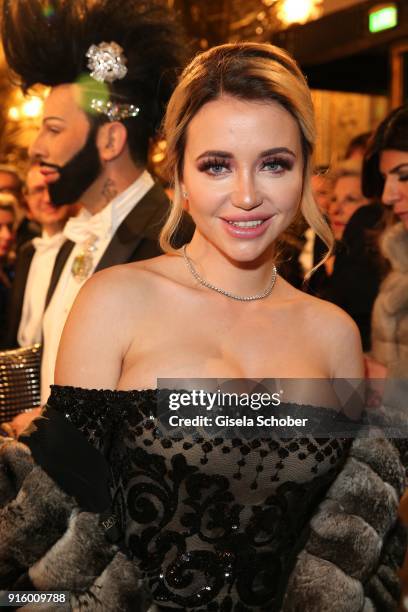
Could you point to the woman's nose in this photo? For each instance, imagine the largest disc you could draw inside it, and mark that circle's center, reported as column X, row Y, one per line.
column 390, row 194
column 245, row 194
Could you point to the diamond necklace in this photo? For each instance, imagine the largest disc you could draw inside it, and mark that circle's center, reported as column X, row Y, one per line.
column 241, row 298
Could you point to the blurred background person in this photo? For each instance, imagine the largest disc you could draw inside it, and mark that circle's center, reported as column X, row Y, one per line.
column 352, row 277
column 386, row 177
column 358, row 146
column 11, row 182
column 322, row 187
column 35, row 262
column 95, row 150
column 8, row 207
column 347, row 196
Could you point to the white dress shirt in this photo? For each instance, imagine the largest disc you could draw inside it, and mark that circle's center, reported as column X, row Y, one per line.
column 38, row 280
column 99, row 229
column 306, row 256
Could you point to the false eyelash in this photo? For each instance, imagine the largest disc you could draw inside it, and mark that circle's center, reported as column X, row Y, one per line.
column 209, row 163
column 285, row 163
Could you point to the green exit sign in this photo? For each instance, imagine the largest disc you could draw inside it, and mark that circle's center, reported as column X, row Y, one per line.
column 384, row 17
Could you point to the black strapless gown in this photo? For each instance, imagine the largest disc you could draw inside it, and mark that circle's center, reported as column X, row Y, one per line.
column 213, row 524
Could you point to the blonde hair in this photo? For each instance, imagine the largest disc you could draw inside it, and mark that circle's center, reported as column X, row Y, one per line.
column 249, row 71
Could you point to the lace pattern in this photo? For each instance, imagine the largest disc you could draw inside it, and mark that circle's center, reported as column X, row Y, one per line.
column 214, row 524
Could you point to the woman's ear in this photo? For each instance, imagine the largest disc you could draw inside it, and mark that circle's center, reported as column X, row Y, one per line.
column 111, row 140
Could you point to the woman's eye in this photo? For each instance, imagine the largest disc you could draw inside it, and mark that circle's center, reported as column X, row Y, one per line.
column 403, row 178
column 276, row 165
column 214, row 166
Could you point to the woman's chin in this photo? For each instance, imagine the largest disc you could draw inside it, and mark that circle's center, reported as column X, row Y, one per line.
column 248, row 253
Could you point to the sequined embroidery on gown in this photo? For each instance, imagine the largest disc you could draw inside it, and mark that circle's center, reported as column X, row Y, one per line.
column 214, row 524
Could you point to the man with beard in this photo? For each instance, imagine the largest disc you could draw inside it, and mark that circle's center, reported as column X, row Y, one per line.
column 111, row 66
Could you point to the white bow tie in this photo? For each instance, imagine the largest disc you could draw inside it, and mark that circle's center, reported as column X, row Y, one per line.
column 80, row 229
column 46, row 243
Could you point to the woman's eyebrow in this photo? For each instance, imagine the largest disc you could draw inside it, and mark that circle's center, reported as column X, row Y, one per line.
column 398, row 168
column 224, row 154
column 227, row 154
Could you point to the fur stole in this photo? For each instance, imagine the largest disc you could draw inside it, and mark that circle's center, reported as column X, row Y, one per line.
column 390, row 312
column 348, row 564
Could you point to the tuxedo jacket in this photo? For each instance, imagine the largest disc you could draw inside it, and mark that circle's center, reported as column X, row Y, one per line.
column 135, row 239
column 15, row 304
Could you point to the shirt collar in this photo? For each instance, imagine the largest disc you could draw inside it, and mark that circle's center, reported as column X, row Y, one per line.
column 105, row 222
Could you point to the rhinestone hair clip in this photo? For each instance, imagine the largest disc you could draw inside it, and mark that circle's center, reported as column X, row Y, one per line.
column 113, row 110
column 107, row 62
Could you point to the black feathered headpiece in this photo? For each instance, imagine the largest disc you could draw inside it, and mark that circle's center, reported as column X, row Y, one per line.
column 46, row 41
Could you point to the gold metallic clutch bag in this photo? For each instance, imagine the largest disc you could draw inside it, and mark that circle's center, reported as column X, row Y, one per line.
column 19, row 381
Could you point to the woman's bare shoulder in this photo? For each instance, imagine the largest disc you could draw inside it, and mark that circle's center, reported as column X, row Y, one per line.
column 320, row 312
column 109, row 308
column 136, row 280
column 332, row 330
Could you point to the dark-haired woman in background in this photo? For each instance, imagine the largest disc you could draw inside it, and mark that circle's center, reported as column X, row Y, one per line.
column 385, row 176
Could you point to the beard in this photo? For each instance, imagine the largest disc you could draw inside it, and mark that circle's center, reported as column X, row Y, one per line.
column 77, row 175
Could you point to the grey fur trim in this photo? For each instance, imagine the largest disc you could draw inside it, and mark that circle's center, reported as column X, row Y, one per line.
column 394, row 244
column 349, row 535
column 383, row 458
column 380, row 596
column 76, row 559
column 44, row 532
column 320, row 586
column 120, row 587
column 344, row 539
column 344, row 566
column 361, row 491
column 32, row 522
column 15, row 464
column 368, row 606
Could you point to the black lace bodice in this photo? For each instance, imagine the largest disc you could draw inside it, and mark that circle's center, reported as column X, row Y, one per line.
column 214, row 524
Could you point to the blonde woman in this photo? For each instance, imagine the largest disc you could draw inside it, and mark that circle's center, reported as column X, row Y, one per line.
column 210, row 523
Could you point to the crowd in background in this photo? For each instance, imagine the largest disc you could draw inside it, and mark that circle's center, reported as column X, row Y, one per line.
column 31, row 234
column 87, row 202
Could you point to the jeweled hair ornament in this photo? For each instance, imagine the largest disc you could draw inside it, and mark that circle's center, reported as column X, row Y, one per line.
column 113, row 110
column 107, row 62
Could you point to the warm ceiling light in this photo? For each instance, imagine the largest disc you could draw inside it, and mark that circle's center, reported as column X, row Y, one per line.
column 32, row 108
column 297, row 11
column 14, row 113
